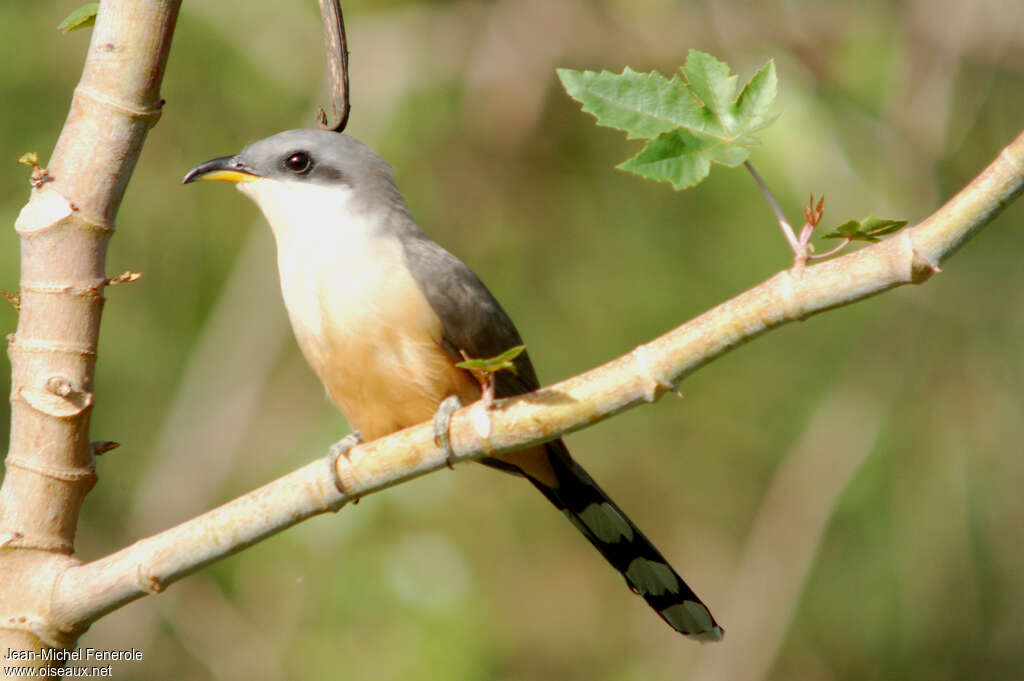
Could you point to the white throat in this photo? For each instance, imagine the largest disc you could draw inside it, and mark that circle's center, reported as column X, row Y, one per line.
column 301, row 210
column 332, row 257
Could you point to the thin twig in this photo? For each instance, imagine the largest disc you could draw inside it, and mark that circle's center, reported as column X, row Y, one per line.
column 819, row 256
column 787, row 230
column 337, row 65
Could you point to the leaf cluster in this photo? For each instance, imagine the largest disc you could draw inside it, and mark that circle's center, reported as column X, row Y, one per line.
column 690, row 121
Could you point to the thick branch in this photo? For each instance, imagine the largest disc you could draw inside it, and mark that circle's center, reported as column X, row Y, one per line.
column 64, row 231
column 86, row 592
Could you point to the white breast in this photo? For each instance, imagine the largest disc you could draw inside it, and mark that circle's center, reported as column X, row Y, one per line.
column 318, row 238
column 360, row 319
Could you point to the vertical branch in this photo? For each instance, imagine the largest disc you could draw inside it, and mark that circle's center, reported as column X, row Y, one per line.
column 64, row 230
column 337, row 65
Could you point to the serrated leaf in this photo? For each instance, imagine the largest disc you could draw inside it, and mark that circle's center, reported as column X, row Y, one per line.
column 755, row 98
column 83, row 17
column 713, row 84
column 880, row 226
column 692, row 121
column 644, row 105
column 492, row 365
column 848, row 230
column 867, row 229
column 683, row 159
column 677, row 157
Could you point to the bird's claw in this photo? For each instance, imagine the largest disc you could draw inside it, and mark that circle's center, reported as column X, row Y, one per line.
column 442, row 423
column 339, row 449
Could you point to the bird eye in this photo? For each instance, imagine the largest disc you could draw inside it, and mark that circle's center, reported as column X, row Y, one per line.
column 299, row 162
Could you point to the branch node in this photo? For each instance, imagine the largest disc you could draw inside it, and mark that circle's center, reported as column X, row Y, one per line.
column 654, row 383
column 36, row 345
column 121, row 107
column 62, row 473
column 36, row 542
column 151, row 584
column 788, row 295
column 83, row 289
column 58, row 398
column 40, row 175
column 480, row 418
column 125, row 277
column 59, row 385
column 48, row 209
column 38, row 629
column 103, row 446
column 922, row 266
column 13, row 298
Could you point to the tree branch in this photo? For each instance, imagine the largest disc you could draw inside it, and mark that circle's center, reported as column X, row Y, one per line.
column 64, row 230
column 85, row 592
column 337, row 65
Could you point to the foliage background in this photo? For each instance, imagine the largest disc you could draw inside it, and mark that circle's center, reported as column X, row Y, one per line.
column 887, row 108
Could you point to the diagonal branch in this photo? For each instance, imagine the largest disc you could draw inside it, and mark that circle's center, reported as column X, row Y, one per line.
column 84, row 593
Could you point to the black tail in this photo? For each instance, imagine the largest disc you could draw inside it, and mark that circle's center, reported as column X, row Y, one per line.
column 623, row 545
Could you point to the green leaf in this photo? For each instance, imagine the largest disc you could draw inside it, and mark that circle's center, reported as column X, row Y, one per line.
column 881, row 227
column 492, row 365
column 713, row 84
column 645, row 105
column 681, row 158
column 755, row 98
column 83, row 17
column 691, row 122
column 868, row 229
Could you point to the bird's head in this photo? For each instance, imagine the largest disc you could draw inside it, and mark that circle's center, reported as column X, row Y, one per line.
column 306, row 177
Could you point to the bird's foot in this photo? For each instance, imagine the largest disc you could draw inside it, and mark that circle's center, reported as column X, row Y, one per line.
column 339, row 449
column 442, row 423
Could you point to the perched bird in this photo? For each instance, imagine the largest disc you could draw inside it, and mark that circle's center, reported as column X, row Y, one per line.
column 381, row 312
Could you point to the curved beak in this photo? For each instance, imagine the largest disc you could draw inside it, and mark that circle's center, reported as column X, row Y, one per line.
column 225, row 169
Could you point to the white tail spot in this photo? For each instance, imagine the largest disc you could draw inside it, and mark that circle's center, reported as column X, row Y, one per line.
column 606, row 523
column 652, row 578
column 694, row 619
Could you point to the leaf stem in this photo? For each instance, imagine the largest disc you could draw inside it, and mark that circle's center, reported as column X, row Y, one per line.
column 787, row 230
column 818, row 256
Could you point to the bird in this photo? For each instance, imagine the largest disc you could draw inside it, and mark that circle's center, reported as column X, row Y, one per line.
column 383, row 313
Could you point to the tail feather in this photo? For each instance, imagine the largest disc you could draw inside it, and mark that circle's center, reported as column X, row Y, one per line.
column 623, row 545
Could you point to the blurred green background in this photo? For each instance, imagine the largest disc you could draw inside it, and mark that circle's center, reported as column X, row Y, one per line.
column 845, row 493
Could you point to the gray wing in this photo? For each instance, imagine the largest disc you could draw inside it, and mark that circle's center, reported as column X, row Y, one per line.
column 472, row 320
